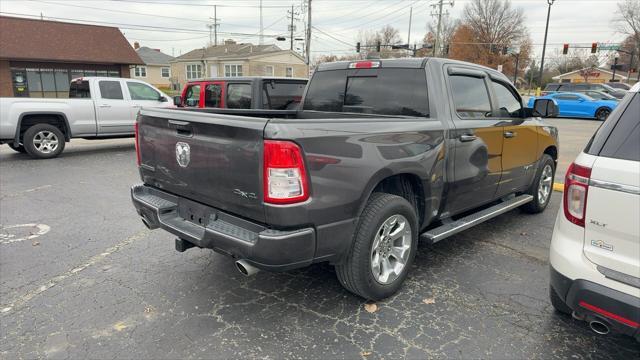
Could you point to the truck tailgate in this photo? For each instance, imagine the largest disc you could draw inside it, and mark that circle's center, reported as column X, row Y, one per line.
column 212, row 159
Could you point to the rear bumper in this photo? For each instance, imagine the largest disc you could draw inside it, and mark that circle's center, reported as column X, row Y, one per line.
column 207, row 227
column 594, row 301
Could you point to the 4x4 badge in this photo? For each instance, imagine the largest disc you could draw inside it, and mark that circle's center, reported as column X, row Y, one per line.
column 183, row 154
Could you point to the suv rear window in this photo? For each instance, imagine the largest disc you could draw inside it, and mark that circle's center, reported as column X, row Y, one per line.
column 369, row 91
column 279, row 95
column 624, row 140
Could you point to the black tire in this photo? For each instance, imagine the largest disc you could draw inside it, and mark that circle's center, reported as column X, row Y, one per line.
column 537, row 205
column 602, row 114
column 17, row 148
column 33, row 135
column 557, row 302
column 355, row 273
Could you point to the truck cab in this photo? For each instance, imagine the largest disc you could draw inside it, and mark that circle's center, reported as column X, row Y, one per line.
column 269, row 93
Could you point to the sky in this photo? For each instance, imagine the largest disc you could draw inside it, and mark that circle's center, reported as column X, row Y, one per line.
column 178, row 26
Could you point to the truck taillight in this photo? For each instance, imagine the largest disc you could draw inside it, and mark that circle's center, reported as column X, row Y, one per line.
column 285, row 178
column 135, row 126
column 576, row 187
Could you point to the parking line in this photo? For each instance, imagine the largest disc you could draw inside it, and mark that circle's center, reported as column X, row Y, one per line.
column 558, row 187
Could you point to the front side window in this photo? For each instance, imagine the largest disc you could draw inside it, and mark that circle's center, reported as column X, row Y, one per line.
column 567, row 97
column 212, row 95
column 232, row 70
column 110, row 90
column 281, row 95
column 192, row 96
column 194, row 71
column 140, row 91
column 239, row 96
column 508, row 104
column 141, row 71
column 470, row 97
column 165, row 72
column 367, row 91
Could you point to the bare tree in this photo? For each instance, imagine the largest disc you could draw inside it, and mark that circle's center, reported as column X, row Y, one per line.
column 495, row 22
column 387, row 35
column 627, row 20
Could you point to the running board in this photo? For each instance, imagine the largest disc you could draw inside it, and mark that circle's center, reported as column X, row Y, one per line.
column 442, row 232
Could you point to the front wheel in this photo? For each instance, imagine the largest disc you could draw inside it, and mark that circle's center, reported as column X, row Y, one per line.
column 542, row 186
column 383, row 248
column 43, row 141
column 603, row 114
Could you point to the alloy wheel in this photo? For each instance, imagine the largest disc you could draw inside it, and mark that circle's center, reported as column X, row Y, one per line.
column 391, row 249
column 546, row 182
column 45, row 141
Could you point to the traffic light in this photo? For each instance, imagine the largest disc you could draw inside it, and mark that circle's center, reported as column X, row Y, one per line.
column 378, row 46
column 594, row 48
column 565, row 49
column 358, row 46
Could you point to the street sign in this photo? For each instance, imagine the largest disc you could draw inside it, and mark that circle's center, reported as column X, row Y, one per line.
column 608, row 47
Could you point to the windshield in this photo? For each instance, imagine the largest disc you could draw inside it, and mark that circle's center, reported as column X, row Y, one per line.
column 369, row 91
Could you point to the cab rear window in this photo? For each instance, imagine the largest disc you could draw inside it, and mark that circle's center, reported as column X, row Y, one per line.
column 381, row 91
column 624, row 141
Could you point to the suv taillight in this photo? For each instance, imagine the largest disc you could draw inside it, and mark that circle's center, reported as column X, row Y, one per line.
column 576, row 187
column 135, row 126
column 285, row 178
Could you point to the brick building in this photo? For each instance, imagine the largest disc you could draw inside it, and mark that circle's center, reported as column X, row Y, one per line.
column 38, row 58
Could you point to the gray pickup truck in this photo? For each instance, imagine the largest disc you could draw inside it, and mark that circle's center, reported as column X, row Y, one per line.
column 380, row 155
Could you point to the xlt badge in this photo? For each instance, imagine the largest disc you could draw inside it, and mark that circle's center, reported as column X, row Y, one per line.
column 183, row 154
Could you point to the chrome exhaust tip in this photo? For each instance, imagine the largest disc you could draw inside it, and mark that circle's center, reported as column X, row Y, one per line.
column 599, row 327
column 245, row 268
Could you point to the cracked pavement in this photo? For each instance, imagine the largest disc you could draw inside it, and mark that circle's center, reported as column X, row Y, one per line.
column 99, row 285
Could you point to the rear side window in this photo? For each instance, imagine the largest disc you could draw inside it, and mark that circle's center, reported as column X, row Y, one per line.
column 470, row 97
column 110, row 90
column 140, row 91
column 380, row 91
column 239, row 96
column 212, row 95
column 281, row 95
column 79, row 89
column 624, row 141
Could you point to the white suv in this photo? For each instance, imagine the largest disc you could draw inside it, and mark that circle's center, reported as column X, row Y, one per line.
column 595, row 250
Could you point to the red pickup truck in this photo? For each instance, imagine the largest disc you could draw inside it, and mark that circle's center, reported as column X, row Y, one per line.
column 272, row 93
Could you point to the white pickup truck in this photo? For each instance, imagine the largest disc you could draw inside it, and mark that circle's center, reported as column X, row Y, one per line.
column 97, row 108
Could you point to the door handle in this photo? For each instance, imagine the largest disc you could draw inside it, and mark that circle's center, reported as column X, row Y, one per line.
column 510, row 134
column 105, row 105
column 467, row 138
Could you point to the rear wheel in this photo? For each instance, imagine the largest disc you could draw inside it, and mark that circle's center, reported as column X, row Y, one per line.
column 383, row 248
column 603, row 113
column 542, row 186
column 43, row 141
column 18, row 148
column 557, row 302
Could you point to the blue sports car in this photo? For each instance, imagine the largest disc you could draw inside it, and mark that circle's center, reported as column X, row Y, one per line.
column 571, row 104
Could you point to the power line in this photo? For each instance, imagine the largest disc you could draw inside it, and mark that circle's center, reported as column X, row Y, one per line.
column 200, row 5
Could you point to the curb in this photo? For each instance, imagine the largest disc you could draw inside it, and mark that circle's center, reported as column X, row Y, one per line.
column 558, row 187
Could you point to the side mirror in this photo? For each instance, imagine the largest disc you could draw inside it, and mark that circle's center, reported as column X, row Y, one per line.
column 162, row 99
column 545, row 108
column 177, row 101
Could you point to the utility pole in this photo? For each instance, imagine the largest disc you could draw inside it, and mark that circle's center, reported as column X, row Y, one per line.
column 544, row 45
column 261, row 25
column 214, row 27
column 438, row 13
column 410, row 17
column 308, row 40
column 292, row 27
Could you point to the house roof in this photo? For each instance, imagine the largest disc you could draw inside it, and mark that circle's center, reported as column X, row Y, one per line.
column 44, row 40
column 228, row 51
column 153, row 57
column 618, row 73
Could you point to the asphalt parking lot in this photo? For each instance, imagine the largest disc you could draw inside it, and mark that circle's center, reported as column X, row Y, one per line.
column 81, row 277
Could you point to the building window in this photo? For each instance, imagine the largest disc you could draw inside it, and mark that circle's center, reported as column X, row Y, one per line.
column 289, row 72
column 140, row 71
column 194, row 71
column 52, row 82
column 232, row 70
column 165, row 72
column 268, row 70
